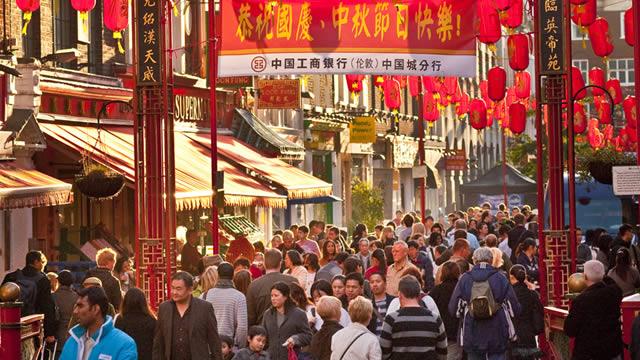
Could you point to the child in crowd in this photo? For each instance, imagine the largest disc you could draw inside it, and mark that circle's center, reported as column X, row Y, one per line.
column 227, row 347
column 257, row 338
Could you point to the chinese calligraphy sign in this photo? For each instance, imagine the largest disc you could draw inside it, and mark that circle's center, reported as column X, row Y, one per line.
column 552, row 60
column 279, row 94
column 420, row 37
column 149, row 47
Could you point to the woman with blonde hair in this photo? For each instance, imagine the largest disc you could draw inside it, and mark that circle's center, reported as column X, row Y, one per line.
column 208, row 280
column 388, row 236
column 355, row 341
column 417, row 228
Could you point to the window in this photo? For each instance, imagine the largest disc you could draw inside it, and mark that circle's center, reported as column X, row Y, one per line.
column 576, row 33
column 65, row 26
column 622, row 69
column 95, row 40
column 31, row 41
column 583, row 65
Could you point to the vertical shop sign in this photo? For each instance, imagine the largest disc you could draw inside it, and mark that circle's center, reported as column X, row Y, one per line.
column 149, row 37
column 551, row 38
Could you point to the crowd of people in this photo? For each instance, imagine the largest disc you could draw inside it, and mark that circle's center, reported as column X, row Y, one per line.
column 410, row 289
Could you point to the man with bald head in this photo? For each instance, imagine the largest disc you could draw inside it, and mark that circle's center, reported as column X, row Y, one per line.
column 401, row 263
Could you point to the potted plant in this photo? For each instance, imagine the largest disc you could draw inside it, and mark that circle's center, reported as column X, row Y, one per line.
column 598, row 163
column 98, row 182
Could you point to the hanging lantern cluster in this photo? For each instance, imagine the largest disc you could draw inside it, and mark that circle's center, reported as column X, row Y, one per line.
column 497, row 83
column 522, row 85
column 512, row 17
column 630, row 114
column 596, row 77
column 27, row 7
column 577, row 84
column 116, row 19
column 517, row 118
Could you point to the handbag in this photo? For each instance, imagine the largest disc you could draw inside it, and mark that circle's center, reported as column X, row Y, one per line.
column 292, row 355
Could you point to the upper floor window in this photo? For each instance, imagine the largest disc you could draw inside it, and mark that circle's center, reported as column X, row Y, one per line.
column 622, row 69
column 583, row 65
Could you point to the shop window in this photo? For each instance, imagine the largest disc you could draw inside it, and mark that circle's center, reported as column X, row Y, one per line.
column 95, row 40
column 31, row 41
column 64, row 25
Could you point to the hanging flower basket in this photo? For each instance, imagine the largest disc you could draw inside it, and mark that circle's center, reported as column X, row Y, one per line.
column 598, row 164
column 601, row 171
column 98, row 182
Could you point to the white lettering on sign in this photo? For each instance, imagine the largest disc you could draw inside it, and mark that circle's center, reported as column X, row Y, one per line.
column 626, row 180
column 190, row 108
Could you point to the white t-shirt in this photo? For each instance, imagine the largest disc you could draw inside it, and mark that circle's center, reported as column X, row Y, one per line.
column 427, row 301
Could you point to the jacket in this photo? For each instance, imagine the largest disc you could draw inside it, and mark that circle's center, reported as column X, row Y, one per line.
column 203, row 332
column 65, row 299
column 321, row 342
column 111, row 343
column 247, row 354
column 110, row 284
column 517, row 235
column 423, row 262
column 328, row 271
column 140, row 327
column 44, row 299
column 259, row 295
column 441, row 295
column 530, row 322
column 531, row 265
column 489, row 335
column 295, row 325
column 594, row 322
column 366, row 347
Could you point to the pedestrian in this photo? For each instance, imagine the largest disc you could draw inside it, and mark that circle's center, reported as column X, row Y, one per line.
column 329, row 251
column 526, row 254
column 242, row 280
column 323, row 288
column 53, row 280
column 257, row 338
column 207, row 280
column 363, row 253
column 594, row 317
column 333, row 267
column 503, row 238
column 359, row 232
column 378, row 264
column 312, row 264
column 381, row 300
column 187, row 326
column 530, row 322
column 35, row 292
column 294, row 266
column 441, row 295
column 404, row 230
column 423, row 262
column 517, row 235
column 95, row 337
column 276, row 241
column 337, row 285
column 626, row 276
column 425, row 300
column 288, row 243
column 491, row 241
column 604, row 245
column 355, row 341
column 388, row 236
column 229, row 305
column 190, row 257
column 259, row 293
column 106, row 261
column 483, row 332
column 400, row 254
column 328, row 308
column 89, row 283
column 257, row 266
column 285, row 323
column 65, row 299
column 227, row 347
column 137, row 320
column 354, row 287
column 122, row 271
column 413, row 331
column 300, row 299
column 308, row 245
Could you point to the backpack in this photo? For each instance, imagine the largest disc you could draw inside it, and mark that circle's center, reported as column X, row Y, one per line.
column 482, row 304
column 28, row 292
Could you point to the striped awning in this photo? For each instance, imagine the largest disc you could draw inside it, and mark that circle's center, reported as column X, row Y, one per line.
column 26, row 188
column 192, row 166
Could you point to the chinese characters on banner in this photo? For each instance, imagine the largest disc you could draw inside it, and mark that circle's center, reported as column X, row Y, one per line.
column 419, row 37
column 149, row 37
column 551, row 37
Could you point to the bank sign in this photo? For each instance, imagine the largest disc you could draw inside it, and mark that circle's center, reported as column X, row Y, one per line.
column 419, row 37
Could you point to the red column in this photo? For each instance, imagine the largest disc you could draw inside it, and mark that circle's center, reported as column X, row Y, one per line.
column 213, row 75
column 636, row 62
column 573, row 246
column 421, row 135
column 10, row 330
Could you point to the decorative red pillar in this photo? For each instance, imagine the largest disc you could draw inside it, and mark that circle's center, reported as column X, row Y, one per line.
column 636, row 64
column 10, row 322
column 213, row 75
column 421, row 154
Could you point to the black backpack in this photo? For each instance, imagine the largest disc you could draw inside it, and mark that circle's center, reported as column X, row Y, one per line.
column 28, row 292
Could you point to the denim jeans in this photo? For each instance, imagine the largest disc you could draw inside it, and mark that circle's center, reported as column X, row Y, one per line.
column 485, row 356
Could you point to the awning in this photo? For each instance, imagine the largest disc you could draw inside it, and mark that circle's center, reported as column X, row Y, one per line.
column 297, row 183
column 193, row 166
column 250, row 129
column 316, row 200
column 23, row 188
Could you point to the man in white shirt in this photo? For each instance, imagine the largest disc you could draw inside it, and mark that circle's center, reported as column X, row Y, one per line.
column 363, row 253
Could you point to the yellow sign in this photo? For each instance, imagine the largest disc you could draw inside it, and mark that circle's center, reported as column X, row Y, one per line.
column 363, row 130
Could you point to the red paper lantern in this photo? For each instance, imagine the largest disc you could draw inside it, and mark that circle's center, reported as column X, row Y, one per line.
column 83, row 7
column 511, row 97
column 578, row 2
column 497, row 82
column 429, row 107
column 402, row 80
column 378, row 81
column 614, row 89
column 392, row 98
column 584, row 15
column 484, row 90
column 27, row 7
column 577, row 84
column 595, row 137
column 579, row 118
column 451, row 85
column 600, row 39
column 478, row 114
column 457, row 97
column 428, row 84
column 517, row 118
column 116, row 18
column 596, row 77
column 629, row 106
column 502, row 5
column 603, row 108
column 522, row 85
column 512, row 18
column 443, row 98
column 518, row 48
column 489, row 23
column 629, row 35
column 414, row 86
column 354, row 82
column 463, row 106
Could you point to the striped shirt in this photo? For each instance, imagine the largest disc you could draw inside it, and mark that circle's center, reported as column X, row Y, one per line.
column 230, row 307
column 381, row 305
column 413, row 333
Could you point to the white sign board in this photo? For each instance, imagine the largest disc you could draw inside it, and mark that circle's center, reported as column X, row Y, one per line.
column 626, row 180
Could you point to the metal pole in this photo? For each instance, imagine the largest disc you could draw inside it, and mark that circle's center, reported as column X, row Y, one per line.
column 636, row 62
column 213, row 75
column 505, row 193
column 573, row 246
column 421, row 136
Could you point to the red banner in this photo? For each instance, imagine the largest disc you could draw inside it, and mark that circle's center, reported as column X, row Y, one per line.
column 419, row 37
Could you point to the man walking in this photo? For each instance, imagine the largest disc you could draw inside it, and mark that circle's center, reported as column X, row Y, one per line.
column 400, row 253
column 189, row 256
column 308, row 245
column 363, row 253
column 230, row 306
column 106, row 261
column 187, row 326
column 95, row 337
column 259, row 292
column 423, row 262
column 412, row 332
column 594, row 317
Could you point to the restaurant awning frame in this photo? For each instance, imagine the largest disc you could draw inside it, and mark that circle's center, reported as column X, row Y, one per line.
column 27, row 188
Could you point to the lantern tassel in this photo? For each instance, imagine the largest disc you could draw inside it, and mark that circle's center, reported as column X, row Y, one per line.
column 84, row 18
column 118, row 36
column 27, row 19
column 175, row 8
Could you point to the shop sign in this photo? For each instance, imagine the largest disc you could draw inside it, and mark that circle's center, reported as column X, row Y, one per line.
column 404, row 153
column 149, row 38
column 421, row 37
column 626, row 180
column 551, row 37
column 190, row 108
column 279, row 94
column 363, row 130
column 320, row 140
column 456, row 162
column 235, row 82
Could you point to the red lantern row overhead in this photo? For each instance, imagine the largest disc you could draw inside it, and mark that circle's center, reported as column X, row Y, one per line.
column 629, row 106
column 577, row 84
column 629, row 35
column 518, row 49
column 392, row 97
column 116, row 19
column 478, row 114
column 596, row 77
column 429, row 84
column 522, row 85
column 600, row 38
column 489, row 22
column 27, row 7
column 378, row 81
column 451, row 85
column 517, row 118
column 463, row 106
column 414, row 86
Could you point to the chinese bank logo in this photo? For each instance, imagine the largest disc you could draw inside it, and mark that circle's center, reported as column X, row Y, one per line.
column 258, row 64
